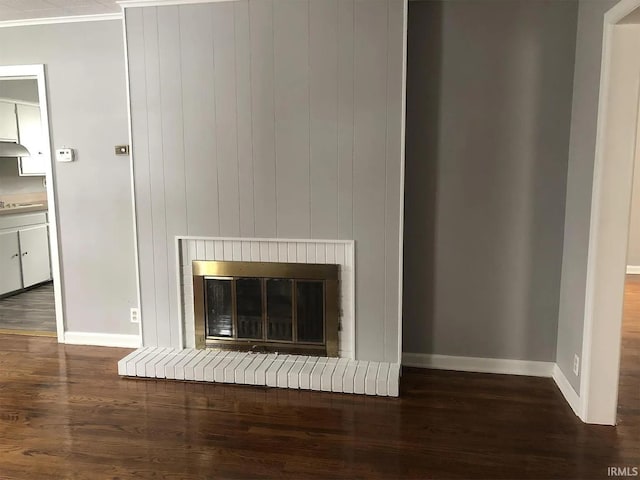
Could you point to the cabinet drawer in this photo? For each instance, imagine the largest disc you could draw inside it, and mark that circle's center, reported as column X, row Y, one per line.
column 22, row 220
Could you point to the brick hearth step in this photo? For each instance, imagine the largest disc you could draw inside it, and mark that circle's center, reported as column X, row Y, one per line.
column 340, row 375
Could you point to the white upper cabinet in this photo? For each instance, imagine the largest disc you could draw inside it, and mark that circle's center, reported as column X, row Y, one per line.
column 20, row 122
column 30, row 135
column 8, row 123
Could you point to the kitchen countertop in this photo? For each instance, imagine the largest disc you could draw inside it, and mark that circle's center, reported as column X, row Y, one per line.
column 29, row 209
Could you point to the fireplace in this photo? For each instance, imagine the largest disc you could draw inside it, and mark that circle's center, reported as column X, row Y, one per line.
column 266, row 306
column 231, row 361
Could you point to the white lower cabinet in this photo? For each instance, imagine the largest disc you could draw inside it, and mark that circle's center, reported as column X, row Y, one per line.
column 24, row 254
column 34, row 255
column 10, row 279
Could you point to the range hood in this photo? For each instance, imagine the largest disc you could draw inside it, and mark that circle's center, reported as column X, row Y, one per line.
column 13, row 150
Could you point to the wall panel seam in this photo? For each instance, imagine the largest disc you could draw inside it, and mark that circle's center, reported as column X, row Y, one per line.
column 309, row 111
column 386, row 179
column 353, row 113
column 215, row 112
column 235, row 75
column 184, row 152
column 337, row 119
column 275, row 136
column 164, row 179
column 253, row 168
column 146, row 99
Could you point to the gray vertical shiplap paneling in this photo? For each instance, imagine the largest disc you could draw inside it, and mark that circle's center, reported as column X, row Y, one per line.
column 243, row 106
column 291, row 99
column 224, row 59
column 140, row 147
column 156, row 174
column 323, row 101
column 345, row 117
column 263, row 116
column 369, row 173
column 172, row 146
column 270, row 119
column 392, row 176
column 201, row 168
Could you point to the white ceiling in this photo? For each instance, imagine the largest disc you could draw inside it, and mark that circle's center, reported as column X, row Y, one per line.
column 26, row 9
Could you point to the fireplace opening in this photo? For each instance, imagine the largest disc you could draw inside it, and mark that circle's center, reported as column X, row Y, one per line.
column 283, row 307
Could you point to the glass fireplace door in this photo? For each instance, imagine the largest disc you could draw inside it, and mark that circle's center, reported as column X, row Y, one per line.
column 274, row 313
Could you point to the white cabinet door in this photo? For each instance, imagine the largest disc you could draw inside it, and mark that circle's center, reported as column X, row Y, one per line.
column 8, row 124
column 30, row 135
column 10, row 279
column 34, row 254
column 33, row 165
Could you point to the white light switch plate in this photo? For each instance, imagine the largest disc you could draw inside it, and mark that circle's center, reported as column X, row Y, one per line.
column 64, row 155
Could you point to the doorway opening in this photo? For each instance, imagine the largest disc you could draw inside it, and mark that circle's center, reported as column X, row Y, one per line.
column 616, row 150
column 30, row 287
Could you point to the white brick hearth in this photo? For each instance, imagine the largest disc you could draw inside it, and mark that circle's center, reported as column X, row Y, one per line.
column 340, row 375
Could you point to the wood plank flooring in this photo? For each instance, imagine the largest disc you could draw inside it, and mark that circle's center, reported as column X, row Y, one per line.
column 629, row 387
column 65, row 413
column 32, row 310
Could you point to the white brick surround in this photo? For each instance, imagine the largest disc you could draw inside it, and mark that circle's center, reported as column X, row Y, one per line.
column 338, row 252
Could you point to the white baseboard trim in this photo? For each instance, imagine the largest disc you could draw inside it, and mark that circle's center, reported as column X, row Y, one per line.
column 479, row 365
column 566, row 389
column 497, row 365
column 102, row 339
column 633, row 269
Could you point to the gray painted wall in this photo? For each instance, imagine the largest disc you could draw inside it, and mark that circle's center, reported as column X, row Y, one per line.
column 586, row 89
column 87, row 108
column 633, row 250
column 269, row 119
column 489, row 108
column 11, row 182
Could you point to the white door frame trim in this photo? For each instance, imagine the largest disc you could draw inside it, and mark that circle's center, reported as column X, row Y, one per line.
column 134, row 218
column 598, row 400
column 38, row 71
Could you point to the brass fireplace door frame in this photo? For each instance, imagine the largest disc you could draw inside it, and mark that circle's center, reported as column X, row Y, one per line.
column 293, row 271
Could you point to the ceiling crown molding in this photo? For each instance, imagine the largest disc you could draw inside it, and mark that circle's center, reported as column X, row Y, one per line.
column 53, row 20
column 160, row 3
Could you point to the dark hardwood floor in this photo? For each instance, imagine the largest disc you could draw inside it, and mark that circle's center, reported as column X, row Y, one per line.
column 629, row 388
column 31, row 311
column 65, row 413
